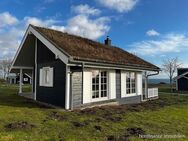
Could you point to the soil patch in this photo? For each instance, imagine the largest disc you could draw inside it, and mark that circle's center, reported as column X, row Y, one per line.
column 127, row 133
column 117, row 138
column 57, row 116
column 135, row 131
column 19, row 125
column 111, row 138
column 114, row 119
column 98, row 119
column 91, row 111
column 80, row 124
column 98, row 128
column 61, row 138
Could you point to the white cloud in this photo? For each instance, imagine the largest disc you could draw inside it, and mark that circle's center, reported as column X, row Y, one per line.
column 152, row 32
column 13, row 30
column 7, row 19
column 119, row 5
column 39, row 22
column 167, row 44
column 84, row 26
column 86, row 10
column 9, row 42
column 80, row 24
column 56, row 27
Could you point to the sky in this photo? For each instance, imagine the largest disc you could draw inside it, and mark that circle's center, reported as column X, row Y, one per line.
column 152, row 29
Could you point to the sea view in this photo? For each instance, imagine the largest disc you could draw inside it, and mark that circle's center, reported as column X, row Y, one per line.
column 157, row 81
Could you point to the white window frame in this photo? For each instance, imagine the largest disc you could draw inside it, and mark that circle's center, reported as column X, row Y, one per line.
column 107, row 91
column 43, row 77
column 131, row 94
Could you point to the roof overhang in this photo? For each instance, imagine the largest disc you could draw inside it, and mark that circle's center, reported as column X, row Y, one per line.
column 91, row 64
column 25, row 55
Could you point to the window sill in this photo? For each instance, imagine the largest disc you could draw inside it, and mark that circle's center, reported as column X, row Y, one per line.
column 129, row 95
column 46, row 86
column 99, row 99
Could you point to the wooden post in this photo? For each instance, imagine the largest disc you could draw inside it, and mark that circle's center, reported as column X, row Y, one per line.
column 21, row 77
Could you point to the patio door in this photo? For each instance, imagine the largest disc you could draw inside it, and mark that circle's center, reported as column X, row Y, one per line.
column 99, row 85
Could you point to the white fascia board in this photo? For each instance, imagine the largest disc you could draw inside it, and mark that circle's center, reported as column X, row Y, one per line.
column 105, row 67
column 21, row 67
column 49, row 45
column 180, row 76
column 27, row 75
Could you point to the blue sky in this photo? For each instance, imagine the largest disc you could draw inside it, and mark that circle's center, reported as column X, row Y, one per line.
column 151, row 29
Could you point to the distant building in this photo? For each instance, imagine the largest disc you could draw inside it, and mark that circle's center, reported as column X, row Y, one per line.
column 182, row 79
column 1, row 73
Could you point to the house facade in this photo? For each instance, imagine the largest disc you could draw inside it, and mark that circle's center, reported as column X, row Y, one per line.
column 182, row 79
column 72, row 72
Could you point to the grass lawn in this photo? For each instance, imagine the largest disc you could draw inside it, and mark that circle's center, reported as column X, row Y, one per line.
column 23, row 120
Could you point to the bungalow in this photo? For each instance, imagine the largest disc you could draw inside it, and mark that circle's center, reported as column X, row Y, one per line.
column 182, row 79
column 70, row 71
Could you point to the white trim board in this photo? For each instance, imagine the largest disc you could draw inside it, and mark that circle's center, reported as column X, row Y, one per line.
column 19, row 49
column 50, row 46
column 27, row 75
column 182, row 75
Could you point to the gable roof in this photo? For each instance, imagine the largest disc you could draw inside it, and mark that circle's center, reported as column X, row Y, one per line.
column 82, row 49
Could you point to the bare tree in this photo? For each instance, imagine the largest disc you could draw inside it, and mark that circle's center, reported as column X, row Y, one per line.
column 5, row 66
column 170, row 66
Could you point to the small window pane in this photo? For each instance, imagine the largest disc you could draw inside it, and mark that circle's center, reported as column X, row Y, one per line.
column 131, row 82
column 97, row 87
column 97, row 94
column 99, row 84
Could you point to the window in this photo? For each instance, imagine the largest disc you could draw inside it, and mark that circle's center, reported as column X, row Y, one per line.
column 25, row 79
column 99, row 84
column 46, row 77
column 130, row 82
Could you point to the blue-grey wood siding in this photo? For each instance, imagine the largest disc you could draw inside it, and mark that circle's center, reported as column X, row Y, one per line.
column 76, row 86
column 130, row 100
column 53, row 95
column 118, row 84
column 125, row 100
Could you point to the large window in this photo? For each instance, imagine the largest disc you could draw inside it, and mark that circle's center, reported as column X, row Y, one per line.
column 130, row 82
column 46, row 77
column 99, row 84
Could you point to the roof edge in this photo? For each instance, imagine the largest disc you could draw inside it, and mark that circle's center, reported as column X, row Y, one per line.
column 113, row 65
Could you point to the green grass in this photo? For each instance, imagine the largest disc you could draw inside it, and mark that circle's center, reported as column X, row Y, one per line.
column 167, row 115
